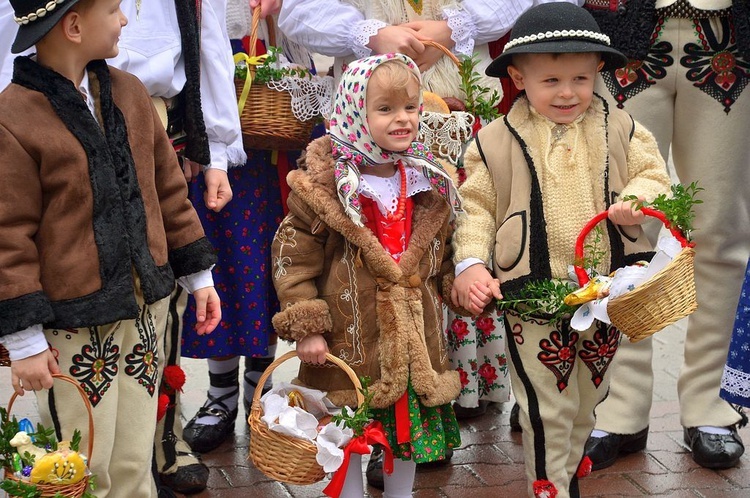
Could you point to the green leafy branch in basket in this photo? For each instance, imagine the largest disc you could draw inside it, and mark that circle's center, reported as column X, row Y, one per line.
column 360, row 418
column 480, row 101
column 546, row 298
column 678, row 209
column 541, row 299
column 45, row 438
column 8, row 429
column 268, row 69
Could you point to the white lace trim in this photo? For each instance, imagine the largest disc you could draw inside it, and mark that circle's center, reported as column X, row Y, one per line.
column 385, row 191
column 310, row 96
column 736, row 382
column 360, row 35
column 445, row 134
column 463, row 30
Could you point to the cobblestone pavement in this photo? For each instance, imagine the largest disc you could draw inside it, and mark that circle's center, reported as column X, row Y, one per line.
column 490, row 461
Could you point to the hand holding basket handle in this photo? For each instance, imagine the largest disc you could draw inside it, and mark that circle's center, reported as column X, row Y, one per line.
column 660, row 301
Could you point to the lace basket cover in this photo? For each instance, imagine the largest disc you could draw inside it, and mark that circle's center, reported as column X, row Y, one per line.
column 446, row 134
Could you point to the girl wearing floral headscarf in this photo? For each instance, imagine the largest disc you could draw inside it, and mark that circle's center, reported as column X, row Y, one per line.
column 358, row 266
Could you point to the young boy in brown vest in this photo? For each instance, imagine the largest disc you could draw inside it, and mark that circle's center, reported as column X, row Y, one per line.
column 534, row 178
column 96, row 226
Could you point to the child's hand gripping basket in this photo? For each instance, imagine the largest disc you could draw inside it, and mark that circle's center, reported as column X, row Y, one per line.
column 72, row 490
column 281, row 457
column 266, row 116
column 446, row 134
column 663, row 299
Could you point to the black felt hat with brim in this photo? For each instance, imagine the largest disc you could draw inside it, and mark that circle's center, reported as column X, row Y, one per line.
column 556, row 28
column 35, row 18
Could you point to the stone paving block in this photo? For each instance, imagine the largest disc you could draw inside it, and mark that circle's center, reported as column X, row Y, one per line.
column 499, row 475
column 606, row 485
column 692, row 480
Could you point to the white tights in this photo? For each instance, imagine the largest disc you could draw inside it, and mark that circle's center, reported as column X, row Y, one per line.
column 399, row 484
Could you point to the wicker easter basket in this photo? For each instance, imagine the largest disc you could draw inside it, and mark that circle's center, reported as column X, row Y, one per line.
column 281, row 457
column 75, row 490
column 445, row 134
column 266, row 116
column 663, row 299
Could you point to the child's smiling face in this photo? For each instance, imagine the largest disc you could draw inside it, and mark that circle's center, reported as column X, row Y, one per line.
column 559, row 86
column 392, row 116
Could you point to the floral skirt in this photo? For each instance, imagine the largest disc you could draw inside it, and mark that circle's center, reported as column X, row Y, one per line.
column 735, row 383
column 476, row 349
column 242, row 234
column 433, row 430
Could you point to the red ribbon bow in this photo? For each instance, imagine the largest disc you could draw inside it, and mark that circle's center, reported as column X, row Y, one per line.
column 373, row 434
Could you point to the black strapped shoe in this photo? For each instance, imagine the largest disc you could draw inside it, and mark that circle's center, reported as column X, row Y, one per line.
column 204, row 438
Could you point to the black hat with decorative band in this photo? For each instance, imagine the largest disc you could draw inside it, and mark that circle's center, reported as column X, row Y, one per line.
column 556, row 28
column 35, row 18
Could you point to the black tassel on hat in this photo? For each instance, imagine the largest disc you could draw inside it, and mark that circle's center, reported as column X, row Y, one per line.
column 196, row 148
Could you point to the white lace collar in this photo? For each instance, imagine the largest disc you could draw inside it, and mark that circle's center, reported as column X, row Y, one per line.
column 385, row 191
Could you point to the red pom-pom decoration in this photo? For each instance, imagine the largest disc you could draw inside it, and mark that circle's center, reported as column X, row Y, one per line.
column 584, row 468
column 162, row 406
column 544, row 489
column 174, row 377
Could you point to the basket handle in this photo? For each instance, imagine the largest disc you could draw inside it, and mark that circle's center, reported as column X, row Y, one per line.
column 583, row 277
column 254, row 31
column 293, row 354
column 444, row 49
column 251, row 60
column 86, row 403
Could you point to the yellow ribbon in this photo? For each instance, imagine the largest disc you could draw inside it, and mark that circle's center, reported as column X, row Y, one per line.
column 249, row 61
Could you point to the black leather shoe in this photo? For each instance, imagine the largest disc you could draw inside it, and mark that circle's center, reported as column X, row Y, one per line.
column 603, row 451
column 374, row 472
column 204, row 438
column 469, row 413
column 188, row 480
column 714, row 451
column 515, row 425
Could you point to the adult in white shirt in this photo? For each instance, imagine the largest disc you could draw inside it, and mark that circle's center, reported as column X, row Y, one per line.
column 687, row 83
column 151, row 48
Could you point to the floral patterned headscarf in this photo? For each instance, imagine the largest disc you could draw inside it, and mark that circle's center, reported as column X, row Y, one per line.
column 353, row 147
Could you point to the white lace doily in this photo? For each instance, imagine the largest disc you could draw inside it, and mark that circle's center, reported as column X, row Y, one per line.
column 445, row 134
column 310, row 96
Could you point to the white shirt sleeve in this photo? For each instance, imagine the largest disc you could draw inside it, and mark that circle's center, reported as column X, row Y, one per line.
column 195, row 281
column 494, row 18
column 461, row 266
column 218, row 96
column 322, row 27
column 8, row 30
column 25, row 343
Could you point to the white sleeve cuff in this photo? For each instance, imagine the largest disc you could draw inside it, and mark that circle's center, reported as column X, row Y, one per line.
column 463, row 30
column 460, row 267
column 195, row 281
column 360, row 36
column 25, row 343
